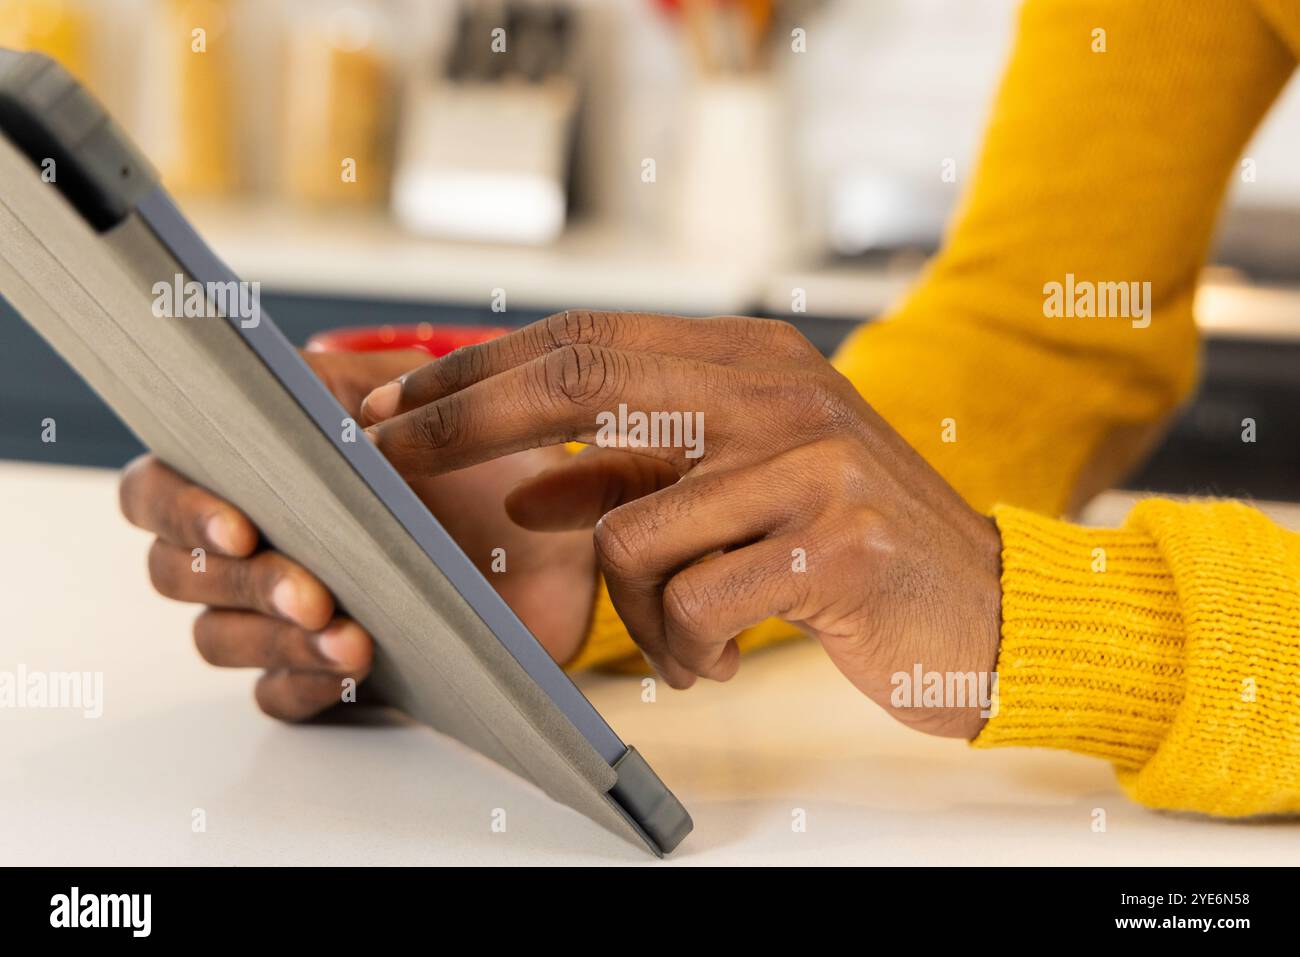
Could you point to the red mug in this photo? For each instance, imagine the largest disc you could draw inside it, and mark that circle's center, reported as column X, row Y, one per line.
column 435, row 340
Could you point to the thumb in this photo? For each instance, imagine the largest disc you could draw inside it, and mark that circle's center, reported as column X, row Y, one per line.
column 577, row 493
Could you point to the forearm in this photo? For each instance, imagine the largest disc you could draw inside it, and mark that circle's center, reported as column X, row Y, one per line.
column 1107, row 167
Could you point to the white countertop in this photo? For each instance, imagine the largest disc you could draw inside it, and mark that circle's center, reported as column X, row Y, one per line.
column 364, row 254
column 788, row 733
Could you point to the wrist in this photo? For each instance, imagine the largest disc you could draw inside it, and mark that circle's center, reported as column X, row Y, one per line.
column 977, row 651
column 947, row 685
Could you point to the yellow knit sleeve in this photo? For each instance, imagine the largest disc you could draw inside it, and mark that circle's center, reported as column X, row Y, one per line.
column 1113, row 134
column 1170, row 647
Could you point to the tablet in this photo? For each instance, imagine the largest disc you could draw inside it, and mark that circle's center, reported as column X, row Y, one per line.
column 91, row 245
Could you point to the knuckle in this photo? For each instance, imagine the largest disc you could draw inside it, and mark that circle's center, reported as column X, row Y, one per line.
column 189, row 510
column 274, row 695
column 820, row 405
column 270, row 706
column 456, row 368
column 439, row 425
column 841, row 465
column 163, row 570
column 207, row 635
column 619, row 542
column 576, row 327
column 308, row 694
column 784, row 337
column 866, row 534
column 253, row 582
column 581, row 374
column 685, row 606
column 825, row 400
column 293, row 696
column 280, row 643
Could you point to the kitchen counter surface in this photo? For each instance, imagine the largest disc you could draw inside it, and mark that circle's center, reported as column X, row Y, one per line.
column 788, row 739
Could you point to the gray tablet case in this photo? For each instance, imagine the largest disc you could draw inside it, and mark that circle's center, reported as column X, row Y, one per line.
column 85, row 233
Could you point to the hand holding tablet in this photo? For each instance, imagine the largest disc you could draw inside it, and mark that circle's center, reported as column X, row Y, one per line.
column 266, row 611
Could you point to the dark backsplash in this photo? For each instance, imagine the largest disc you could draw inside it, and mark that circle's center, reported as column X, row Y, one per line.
column 1203, row 453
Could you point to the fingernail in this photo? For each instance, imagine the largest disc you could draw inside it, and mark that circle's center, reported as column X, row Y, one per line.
column 339, row 645
column 373, row 435
column 220, row 532
column 382, row 403
column 287, row 599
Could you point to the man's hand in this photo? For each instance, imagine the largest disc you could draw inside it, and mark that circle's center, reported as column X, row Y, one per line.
column 803, row 503
column 266, row 611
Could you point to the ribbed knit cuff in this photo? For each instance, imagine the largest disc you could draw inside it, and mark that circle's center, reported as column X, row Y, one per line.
column 1092, row 640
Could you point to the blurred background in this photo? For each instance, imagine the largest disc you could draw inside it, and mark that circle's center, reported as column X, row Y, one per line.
column 402, row 161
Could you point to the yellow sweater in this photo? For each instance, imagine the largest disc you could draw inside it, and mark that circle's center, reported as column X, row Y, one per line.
column 1170, row 647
